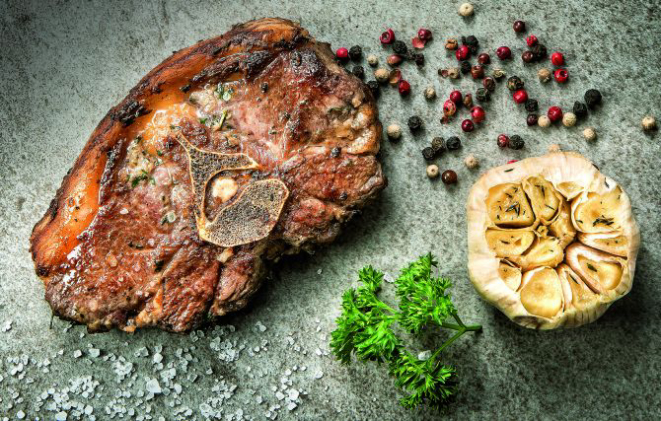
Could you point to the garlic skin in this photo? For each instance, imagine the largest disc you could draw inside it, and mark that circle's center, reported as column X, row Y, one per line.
column 576, row 267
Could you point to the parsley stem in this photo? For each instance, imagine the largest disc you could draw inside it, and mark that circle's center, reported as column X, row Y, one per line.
column 461, row 329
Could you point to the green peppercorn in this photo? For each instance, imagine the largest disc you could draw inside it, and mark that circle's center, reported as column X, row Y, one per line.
column 418, row 59
column 592, row 98
column 465, row 67
column 415, row 123
column 483, row 95
column 514, row 83
column 516, row 142
column 358, row 71
column 532, row 105
column 374, row 87
column 453, row 143
column 438, row 144
column 355, row 52
column 428, row 153
column 399, row 47
column 580, row 109
column 499, row 73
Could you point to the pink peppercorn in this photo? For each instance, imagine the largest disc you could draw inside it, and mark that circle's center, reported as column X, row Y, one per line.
column 531, row 40
column 404, row 87
column 455, row 96
column 504, row 53
column 520, row 96
column 557, row 59
column 484, row 58
column 462, row 53
column 503, row 141
column 561, row 75
column 478, row 114
column 342, row 54
column 424, row 34
column 388, row 37
column 554, row 114
column 467, row 126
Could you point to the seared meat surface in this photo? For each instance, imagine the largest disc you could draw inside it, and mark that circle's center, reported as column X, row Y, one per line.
column 225, row 156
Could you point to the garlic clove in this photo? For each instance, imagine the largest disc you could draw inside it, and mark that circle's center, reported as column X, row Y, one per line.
column 509, row 243
column 509, row 207
column 602, row 272
column 544, row 198
column 562, row 227
column 510, row 274
column 611, row 242
column 593, row 212
column 579, row 295
column 569, row 189
column 541, row 293
column 546, row 251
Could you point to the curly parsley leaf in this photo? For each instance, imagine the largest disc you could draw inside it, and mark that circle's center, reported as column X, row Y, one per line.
column 366, row 329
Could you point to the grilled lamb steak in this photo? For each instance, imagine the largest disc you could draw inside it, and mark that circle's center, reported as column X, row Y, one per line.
column 227, row 155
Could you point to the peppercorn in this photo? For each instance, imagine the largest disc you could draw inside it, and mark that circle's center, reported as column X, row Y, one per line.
column 592, row 98
column 394, row 77
column 449, row 177
column 520, row 96
column 484, row 58
column 356, row 53
column 415, row 123
column 590, row 134
column 424, row 34
column 466, row 9
column 387, row 37
column 532, row 105
column 399, row 47
column 554, row 114
column 373, row 85
column 438, row 144
column 428, row 153
column 465, row 67
column 264, row 87
column 449, row 109
column 544, row 75
column 504, row 53
column 569, row 119
column 358, row 71
column 432, row 171
column 489, row 83
column 649, row 123
column 430, row 93
column 404, row 88
column 478, row 114
column 499, row 73
column 394, row 60
column 528, row 56
column 515, row 83
column 463, row 53
column 580, row 109
column 503, row 141
column 557, row 59
column 372, row 60
column 381, row 75
column 451, row 44
column 482, row 95
column 342, row 54
column 418, row 59
column 561, row 75
column 453, row 143
column 531, row 120
column 543, row 121
column 394, row 132
column 519, row 26
column 455, row 96
column 516, row 142
column 468, row 100
column 531, row 40
column 471, row 42
column 470, row 161
column 477, row 71
column 539, row 51
column 453, row 72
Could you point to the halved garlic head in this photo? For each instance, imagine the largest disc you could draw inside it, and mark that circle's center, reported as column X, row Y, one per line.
column 552, row 241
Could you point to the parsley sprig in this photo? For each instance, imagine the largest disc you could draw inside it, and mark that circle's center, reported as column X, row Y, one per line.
column 366, row 329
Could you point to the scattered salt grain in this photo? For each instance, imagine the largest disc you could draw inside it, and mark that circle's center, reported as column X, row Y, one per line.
column 77, row 353
column 424, row 355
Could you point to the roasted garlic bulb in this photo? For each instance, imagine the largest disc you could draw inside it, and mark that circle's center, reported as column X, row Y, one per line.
column 552, row 242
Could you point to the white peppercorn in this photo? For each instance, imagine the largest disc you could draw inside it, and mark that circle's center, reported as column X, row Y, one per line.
column 466, row 9
column 430, row 92
column 394, row 132
column 569, row 119
column 372, row 60
column 382, row 75
column 543, row 121
column 544, row 75
column 432, row 171
column 649, row 123
column 590, row 134
column 470, row 161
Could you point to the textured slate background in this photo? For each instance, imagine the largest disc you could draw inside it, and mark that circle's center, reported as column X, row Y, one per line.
column 64, row 64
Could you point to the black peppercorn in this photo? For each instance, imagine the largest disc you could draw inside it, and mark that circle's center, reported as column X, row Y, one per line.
column 471, row 42
column 592, row 98
column 374, row 87
column 438, row 144
column 514, row 83
column 355, row 52
column 428, row 153
column 264, row 86
column 415, row 123
column 482, row 95
column 580, row 110
column 516, row 142
column 449, row 177
column 532, row 105
column 453, row 143
column 399, row 47
column 418, row 59
column 489, row 83
column 539, row 52
column 335, row 152
column 528, row 56
column 531, row 120
column 465, row 67
column 358, row 71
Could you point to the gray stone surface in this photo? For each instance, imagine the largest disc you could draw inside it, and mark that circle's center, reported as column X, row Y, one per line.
column 65, row 63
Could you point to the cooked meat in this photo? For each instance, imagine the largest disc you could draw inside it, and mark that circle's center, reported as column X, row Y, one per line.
column 225, row 156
